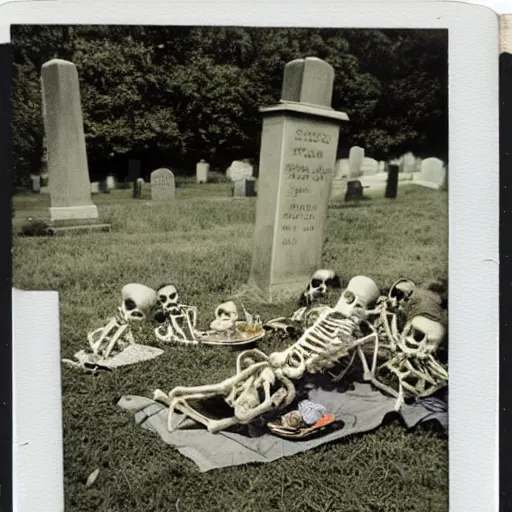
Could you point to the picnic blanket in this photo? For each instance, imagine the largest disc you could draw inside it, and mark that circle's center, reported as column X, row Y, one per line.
column 360, row 409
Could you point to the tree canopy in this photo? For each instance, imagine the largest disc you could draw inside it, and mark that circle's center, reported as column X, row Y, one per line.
column 173, row 95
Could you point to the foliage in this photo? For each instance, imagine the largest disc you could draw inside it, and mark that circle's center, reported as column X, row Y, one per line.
column 172, row 95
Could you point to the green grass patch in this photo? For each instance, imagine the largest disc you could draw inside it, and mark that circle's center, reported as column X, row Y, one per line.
column 201, row 242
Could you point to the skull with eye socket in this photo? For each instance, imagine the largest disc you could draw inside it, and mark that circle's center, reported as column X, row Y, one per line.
column 317, row 289
column 168, row 300
column 360, row 293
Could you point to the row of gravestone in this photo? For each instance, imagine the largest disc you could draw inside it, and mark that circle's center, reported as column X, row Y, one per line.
column 430, row 172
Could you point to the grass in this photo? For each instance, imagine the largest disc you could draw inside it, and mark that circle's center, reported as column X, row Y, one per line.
column 202, row 243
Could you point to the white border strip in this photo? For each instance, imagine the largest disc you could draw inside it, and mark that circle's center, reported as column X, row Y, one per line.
column 473, row 181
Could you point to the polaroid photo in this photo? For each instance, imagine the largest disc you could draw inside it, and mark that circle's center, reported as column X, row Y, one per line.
column 252, row 244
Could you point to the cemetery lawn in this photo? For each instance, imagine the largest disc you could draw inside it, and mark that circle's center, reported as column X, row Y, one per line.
column 201, row 242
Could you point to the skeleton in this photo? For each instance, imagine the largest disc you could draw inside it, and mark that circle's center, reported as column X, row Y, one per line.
column 408, row 351
column 317, row 287
column 180, row 319
column 137, row 302
column 334, row 335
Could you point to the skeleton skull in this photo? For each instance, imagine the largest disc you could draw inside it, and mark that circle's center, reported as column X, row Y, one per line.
column 168, row 299
column 360, row 293
column 401, row 290
column 422, row 336
column 138, row 300
column 317, row 287
column 226, row 314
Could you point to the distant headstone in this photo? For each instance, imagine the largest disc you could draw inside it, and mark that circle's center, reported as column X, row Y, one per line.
column 104, row 187
column 36, row 183
column 432, row 174
column 382, row 166
column 202, row 169
column 342, row 169
column 238, row 170
column 163, row 187
column 392, row 183
column 355, row 158
column 133, row 170
column 111, row 182
column 369, row 166
column 417, row 165
column 95, row 187
column 408, row 162
column 245, row 188
column 137, row 188
column 296, row 167
column 70, row 188
column 354, row 191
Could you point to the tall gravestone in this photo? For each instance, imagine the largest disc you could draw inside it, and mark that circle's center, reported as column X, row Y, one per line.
column 296, row 167
column 355, row 161
column 202, row 169
column 163, row 187
column 70, row 188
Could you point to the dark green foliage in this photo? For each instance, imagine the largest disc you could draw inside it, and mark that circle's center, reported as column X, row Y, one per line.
column 170, row 96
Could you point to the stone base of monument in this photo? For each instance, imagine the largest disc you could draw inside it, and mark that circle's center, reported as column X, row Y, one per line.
column 277, row 292
column 58, row 213
column 72, row 226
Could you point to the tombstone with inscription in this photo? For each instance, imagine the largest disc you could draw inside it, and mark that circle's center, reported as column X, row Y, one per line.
column 202, row 169
column 296, row 168
column 70, row 188
column 432, row 174
column 355, row 159
column 163, row 187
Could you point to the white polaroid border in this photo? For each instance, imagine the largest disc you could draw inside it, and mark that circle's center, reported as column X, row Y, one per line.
column 473, row 198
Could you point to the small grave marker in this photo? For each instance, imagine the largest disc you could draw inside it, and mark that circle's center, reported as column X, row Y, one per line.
column 163, row 187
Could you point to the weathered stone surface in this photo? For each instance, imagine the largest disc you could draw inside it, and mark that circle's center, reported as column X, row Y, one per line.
column 432, row 174
column 163, row 187
column 308, row 80
column 70, row 188
column 355, row 158
column 294, row 186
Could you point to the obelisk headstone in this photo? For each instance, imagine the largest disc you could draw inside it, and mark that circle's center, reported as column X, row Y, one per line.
column 296, row 168
column 70, row 188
